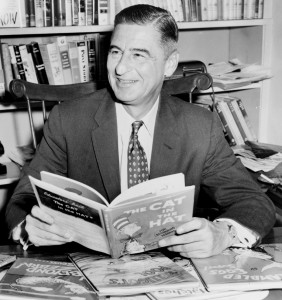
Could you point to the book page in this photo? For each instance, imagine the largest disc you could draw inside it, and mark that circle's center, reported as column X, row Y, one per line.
column 152, row 186
column 73, row 186
column 79, row 216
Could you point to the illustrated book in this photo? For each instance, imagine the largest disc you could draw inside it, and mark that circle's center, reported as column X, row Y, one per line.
column 44, row 279
column 242, row 269
column 6, row 259
column 132, row 274
column 133, row 222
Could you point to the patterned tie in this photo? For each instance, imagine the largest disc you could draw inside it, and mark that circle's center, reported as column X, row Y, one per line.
column 137, row 160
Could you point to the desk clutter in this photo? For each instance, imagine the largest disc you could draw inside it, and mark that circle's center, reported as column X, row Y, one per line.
column 236, row 273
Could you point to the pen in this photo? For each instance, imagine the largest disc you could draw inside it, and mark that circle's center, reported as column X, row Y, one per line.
column 267, row 178
column 26, row 244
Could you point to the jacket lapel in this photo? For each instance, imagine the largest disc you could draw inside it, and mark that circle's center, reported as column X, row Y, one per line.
column 105, row 143
column 166, row 141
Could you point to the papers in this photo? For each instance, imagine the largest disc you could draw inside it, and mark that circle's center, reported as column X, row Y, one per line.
column 234, row 74
column 255, row 164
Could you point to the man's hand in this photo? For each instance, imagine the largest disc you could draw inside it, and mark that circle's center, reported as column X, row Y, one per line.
column 199, row 238
column 42, row 230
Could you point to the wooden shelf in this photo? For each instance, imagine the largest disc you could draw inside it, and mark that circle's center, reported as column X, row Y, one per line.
column 39, row 31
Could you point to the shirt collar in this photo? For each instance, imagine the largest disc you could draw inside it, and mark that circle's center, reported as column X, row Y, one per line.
column 125, row 120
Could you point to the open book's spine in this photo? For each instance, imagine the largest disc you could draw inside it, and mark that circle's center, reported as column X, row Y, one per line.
column 109, row 231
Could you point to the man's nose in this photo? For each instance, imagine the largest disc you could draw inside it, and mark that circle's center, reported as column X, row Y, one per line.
column 124, row 64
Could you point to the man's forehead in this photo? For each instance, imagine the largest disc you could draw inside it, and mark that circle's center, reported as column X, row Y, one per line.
column 135, row 36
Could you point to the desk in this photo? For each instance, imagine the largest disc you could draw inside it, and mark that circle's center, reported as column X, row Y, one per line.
column 60, row 253
column 13, row 174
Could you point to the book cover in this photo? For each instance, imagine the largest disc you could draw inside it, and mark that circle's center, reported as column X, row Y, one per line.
column 73, row 54
column 6, row 259
column 38, row 62
column 63, row 48
column 132, row 274
column 247, row 120
column 12, row 13
column 159, row 204
column 45, row 279
column 6, row 64
column 28, row 65
column 52, row 62
column 242, row 268
column 83, row 60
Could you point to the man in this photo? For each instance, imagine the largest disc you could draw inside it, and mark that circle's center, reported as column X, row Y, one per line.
column 87, row 140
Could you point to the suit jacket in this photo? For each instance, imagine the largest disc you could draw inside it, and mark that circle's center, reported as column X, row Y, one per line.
column 80, row 141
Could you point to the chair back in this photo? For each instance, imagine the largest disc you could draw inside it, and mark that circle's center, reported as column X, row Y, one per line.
column 188, row 78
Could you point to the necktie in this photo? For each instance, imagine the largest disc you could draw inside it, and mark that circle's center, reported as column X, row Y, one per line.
column 137, row 160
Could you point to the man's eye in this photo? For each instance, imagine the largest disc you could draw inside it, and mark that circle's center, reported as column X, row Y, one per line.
column 114, row 52
column 139, row 56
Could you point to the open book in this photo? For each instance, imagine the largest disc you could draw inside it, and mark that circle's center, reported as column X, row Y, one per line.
column 242, row 269
column 133, row 222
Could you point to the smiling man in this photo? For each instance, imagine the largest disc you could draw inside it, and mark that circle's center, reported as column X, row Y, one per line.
column 101, row 139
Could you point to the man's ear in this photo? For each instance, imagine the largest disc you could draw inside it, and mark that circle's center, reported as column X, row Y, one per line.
column 171, row 63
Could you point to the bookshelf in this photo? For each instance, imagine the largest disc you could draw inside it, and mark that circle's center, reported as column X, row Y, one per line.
column 209, row 41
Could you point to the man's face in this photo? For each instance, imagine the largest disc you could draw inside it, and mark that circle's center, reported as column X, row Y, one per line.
column 136, row 64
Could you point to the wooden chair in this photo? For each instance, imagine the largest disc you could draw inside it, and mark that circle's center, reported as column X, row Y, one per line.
column 31, row 92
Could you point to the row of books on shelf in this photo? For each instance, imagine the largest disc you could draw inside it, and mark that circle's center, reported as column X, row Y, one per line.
column 232, row 113
column 57, row 60
column 46, row 13
column 234, row 274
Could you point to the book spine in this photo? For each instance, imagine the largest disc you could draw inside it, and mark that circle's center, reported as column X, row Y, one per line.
column 39, row 16
column 240, row 116
column 247, row 120
column 38, row 62
column 65, row 60
column 6, row 64
column 28, row 64
column 75, row 6
column 52, row 62
column 112, row 11
column 237, row 120
column 31, row 13
column 73, row 54
column 68, row 13
column 14, row 63
column 27, row 13
column 204, row 7
column 19, row 62
column 91, row 46
column 103, row 12
column 47, row 13
column 83, row 61
column 260, row 9
column 82, row 13
column 228, row 134
column 231, row 122
column 60, row 13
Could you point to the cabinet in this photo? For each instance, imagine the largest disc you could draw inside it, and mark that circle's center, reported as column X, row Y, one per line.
column 209, row 41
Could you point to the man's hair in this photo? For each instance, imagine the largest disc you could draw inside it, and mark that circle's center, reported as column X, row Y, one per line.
column 161, row 19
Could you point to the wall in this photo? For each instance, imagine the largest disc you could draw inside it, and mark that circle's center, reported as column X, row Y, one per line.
column 274, row 124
